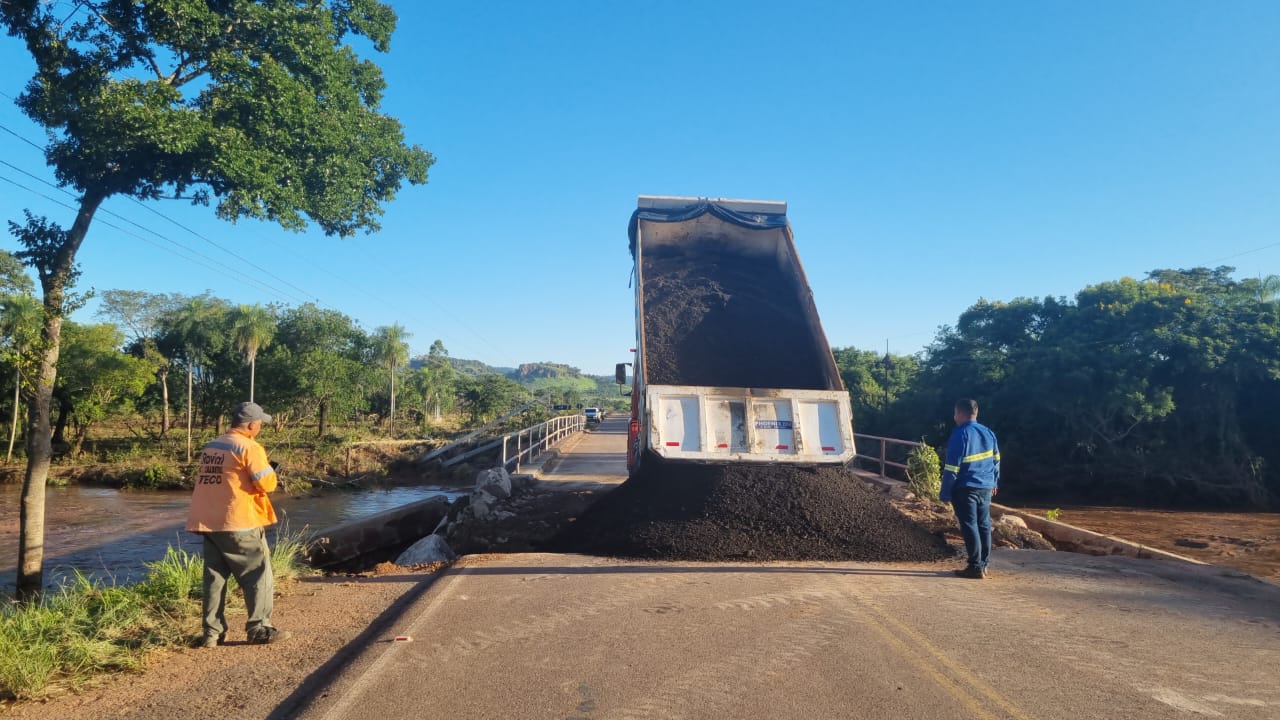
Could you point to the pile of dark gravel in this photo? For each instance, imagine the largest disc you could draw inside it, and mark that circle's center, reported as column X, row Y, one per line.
column 726, row 321
column 681, row 511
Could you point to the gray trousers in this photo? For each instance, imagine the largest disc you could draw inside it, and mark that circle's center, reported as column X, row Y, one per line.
column 243, row 554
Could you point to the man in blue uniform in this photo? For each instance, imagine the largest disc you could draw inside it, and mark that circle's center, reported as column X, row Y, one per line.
column 970, row 478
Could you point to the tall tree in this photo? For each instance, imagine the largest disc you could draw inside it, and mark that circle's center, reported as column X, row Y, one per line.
column 261, row 106
column 187, row 329
column 252, row 328
column 21, row 316
column 391, row 352
column 96, row 380
column 13, row 276
column 318, row 364
column 141, row 313
column 437, row 380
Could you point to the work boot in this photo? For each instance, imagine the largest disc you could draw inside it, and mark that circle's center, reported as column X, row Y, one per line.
column 210, row 641
column 265, row 635
column 972, row 573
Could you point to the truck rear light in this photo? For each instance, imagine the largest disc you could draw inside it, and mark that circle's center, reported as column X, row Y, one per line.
column 782, row 447
column 672, row 444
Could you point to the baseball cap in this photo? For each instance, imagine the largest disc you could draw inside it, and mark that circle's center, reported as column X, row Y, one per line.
column 247, row 412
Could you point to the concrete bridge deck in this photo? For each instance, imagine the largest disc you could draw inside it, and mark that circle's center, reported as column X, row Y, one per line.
column 1050, row 636
column 593, row 458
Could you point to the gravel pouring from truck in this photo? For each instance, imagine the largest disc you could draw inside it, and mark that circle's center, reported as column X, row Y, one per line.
column 731, row 363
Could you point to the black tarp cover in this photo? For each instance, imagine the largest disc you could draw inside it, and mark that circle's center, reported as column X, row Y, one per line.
column 753, row 221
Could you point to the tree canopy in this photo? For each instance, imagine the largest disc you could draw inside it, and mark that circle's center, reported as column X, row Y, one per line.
column 1156, row 391
column 165, row 99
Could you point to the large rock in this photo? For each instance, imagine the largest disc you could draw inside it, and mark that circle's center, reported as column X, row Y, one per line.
column 495, row 481
column 1012, row 531
column 430, row 549
column 482, row 504
column 1012, row 521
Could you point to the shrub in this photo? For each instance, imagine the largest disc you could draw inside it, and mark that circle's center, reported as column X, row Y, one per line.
column 157, row 476
column 924, row 472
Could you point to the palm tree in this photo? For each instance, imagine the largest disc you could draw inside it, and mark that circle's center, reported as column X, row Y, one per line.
column 391, row 351
column 21, row 317
column 189, row 323
column 1269, row 288
column 252, row 329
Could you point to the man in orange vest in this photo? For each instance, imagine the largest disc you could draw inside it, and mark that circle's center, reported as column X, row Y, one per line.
column 230, row 508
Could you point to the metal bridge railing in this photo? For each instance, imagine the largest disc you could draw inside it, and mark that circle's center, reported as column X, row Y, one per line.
column 883, row 460
column 534, row 440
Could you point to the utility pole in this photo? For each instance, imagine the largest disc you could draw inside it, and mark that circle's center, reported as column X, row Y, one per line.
column 886, row 377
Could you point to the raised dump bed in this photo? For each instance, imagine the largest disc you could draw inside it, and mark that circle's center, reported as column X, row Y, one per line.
column 731, row 361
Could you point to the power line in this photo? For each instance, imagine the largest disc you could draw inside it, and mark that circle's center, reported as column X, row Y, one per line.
column 295, row 256
column 23, row 139
column 224, row 267
column 230, row 252
column 1246, row 252
column 235, row 276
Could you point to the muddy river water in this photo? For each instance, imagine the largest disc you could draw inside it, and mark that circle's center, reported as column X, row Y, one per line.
column 110, row 534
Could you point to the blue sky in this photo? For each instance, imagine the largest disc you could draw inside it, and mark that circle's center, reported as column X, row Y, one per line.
column 931, row 154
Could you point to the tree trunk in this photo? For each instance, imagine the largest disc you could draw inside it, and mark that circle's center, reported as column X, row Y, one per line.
column 60, row 426
column 189, row 393
column 55, row 264
column 13, row 426
column 77, row 440
column 164, row 400
column 253, row 366
column 324, row 418
column 392, row 426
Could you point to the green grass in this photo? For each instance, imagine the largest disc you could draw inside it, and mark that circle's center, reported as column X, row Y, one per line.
column 87, row 629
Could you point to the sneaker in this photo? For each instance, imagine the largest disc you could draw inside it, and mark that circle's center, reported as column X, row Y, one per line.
column 972, row 573
column 266, row 635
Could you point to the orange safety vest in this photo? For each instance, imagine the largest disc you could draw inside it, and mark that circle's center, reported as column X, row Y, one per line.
column 231, row 489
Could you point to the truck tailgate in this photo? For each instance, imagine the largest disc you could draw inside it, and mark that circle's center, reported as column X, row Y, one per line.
column 749, row 424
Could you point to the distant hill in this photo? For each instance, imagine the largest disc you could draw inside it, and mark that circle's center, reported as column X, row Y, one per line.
column 538, row 370
column 556, row 382
column 475, row 368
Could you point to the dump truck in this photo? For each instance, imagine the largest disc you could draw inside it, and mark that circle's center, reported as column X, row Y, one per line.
column 731, row 364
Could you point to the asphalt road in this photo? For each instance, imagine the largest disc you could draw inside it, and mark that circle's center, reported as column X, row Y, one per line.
column 1051, row 635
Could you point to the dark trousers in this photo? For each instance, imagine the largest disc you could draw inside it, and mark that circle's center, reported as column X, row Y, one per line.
column 973, row 510
column 244, row 555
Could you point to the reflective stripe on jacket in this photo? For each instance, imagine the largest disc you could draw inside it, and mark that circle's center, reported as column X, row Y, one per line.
column 973, row 459
column 232, row 486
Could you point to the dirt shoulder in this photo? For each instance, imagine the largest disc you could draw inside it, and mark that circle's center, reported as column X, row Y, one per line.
column 331, row 618
column 1245, row 541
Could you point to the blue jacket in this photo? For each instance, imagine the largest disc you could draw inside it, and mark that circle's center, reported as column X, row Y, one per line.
column 973, row 459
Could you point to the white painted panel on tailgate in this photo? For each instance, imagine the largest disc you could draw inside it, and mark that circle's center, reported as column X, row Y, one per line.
column 681, row 428
column 774, row 426
column 726, row 419
column 820, row 425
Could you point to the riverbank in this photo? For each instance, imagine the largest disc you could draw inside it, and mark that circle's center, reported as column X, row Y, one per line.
column 87, row 629
column 110, row 534
column 330, row 617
